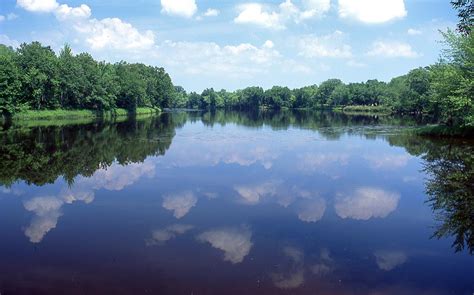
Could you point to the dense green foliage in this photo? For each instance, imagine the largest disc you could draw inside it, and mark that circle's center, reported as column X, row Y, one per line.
column 33, row 77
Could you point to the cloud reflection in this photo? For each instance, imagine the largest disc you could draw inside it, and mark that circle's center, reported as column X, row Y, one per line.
column 294, row 276
column 47, row 209
column 387, row 161
column 180, row 203
column 160, row 236
column 366, row 203
column 312, row 210
column 388, row 260
column 252, row 194
column 235, row 242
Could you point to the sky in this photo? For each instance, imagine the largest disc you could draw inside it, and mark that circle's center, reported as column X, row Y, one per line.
column 233, row 44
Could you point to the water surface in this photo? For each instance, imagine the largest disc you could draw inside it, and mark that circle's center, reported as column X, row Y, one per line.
column 235, row 203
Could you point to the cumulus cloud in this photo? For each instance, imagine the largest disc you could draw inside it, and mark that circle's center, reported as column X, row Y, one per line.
column 365, row 203
column 387, row 161
column 331, row 45
column 183, row 8
column 65, row 12
column 160, row 236
column 38, row 5
column 388, row 260
column 392, row 49
column 255, row 13
column 252, row 194
column 277, row 18
column 180, row 203
column 211, row 12
column 312, row 210
column 372, row 11
column 236, row 243
column 107, row 33
column 315, row 8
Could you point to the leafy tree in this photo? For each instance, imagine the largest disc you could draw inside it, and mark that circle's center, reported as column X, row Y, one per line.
column 39, row 69
column 453, row 80
column 465, row 10
column 10, row 81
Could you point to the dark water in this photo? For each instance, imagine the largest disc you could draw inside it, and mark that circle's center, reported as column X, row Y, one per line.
column 235, row 203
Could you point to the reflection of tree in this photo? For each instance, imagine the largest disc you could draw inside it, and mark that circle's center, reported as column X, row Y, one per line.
column 450, row 186
column 329, row 124
column 40, row 155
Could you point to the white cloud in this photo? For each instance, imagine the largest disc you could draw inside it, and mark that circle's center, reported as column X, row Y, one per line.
column 330, row 45
column 312, row 210
column 211, row 12
column 180, row 203
column 160, row 236
column 268, row 17
column 392, row 49
column 65, row 12
column 236, row 243
column 107, row 33
column 113, row 33
column 38, row 5
column 414, row 32
column 372, row 11
column 183, row 8
column 255, row 13
column 388, row 260
column 366, row 203
column 315, row 8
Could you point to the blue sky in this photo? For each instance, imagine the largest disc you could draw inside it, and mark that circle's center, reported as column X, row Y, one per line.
column 233, row 44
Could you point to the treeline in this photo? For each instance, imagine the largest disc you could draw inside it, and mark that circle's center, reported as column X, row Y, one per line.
column 444, row 90
column 33, row 77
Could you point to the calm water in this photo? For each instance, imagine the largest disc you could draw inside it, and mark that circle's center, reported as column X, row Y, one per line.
column 235, row 203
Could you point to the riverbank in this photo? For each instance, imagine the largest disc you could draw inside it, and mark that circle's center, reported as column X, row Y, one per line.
column 361, row 109
column 61, row 114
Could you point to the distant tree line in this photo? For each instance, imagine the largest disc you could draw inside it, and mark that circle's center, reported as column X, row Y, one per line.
column 33, row 77
column 444, row 90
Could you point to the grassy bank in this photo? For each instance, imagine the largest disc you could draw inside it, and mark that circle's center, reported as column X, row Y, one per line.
column 360, row 109
column 75, row 115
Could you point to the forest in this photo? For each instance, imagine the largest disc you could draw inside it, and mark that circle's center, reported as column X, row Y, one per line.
column 33, row 77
